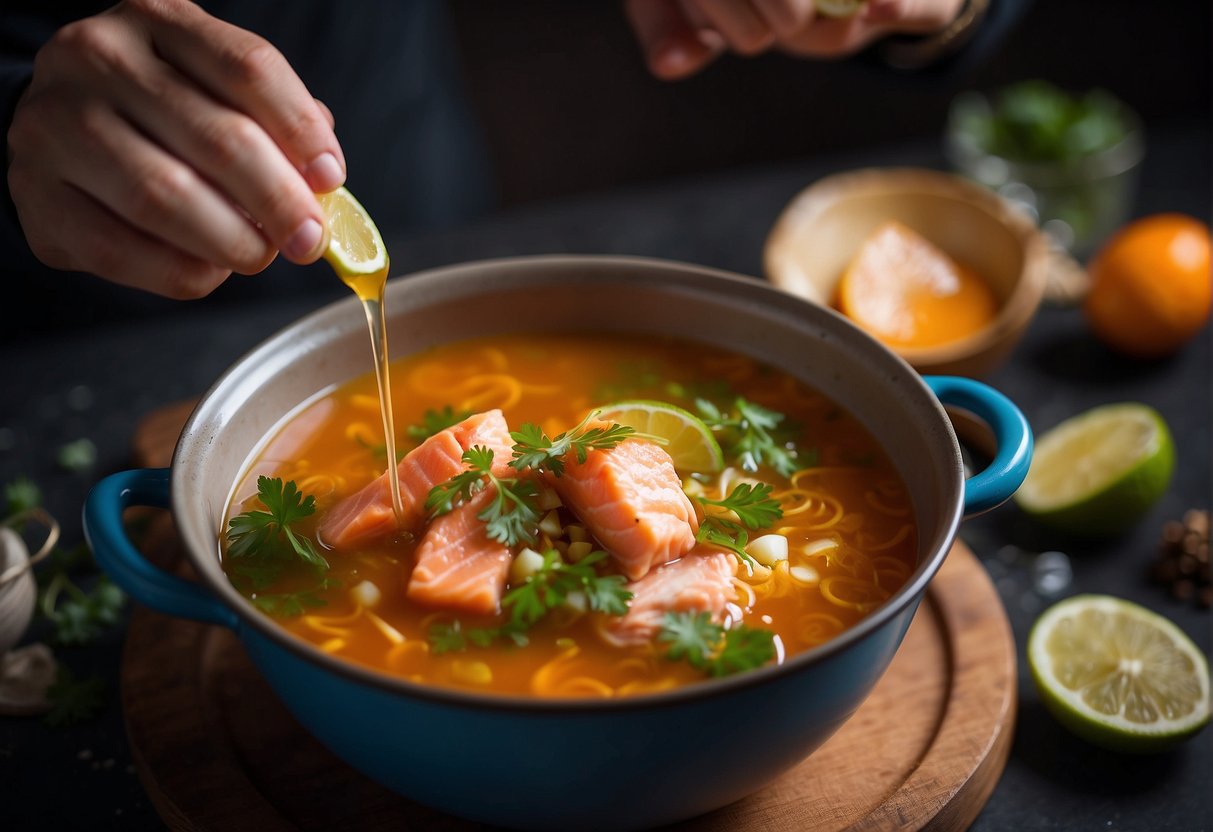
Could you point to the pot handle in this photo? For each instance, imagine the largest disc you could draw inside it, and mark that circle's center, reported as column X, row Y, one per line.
column 146, row 583
column 1005, row 473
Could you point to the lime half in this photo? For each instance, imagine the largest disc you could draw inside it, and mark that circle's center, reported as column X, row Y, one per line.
column 1118, row 675
column 1098, row 472
column 689, row 441
column 355, row 245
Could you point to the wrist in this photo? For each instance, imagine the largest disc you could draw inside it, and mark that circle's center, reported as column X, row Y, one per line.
column 902, row 52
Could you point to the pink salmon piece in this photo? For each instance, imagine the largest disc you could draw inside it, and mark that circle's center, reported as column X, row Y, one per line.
column 367, row 515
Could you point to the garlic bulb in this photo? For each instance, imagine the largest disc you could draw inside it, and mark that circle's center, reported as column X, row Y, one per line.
column 17, row 589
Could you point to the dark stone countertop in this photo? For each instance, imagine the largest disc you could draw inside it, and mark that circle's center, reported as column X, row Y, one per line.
column 98, row 382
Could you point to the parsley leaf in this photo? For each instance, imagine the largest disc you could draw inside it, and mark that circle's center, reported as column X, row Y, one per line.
column 555, row 580
column 73, row 700
column 541, row 593
column 511, row 517
column 288, row 604
column 436, row 421
column 755, row 509
column 81, row 616
column 264, row 533
column 752, row 504
column 709, row 647
column 20, row 495
column 534, row 449
column 379, row 449
column 77, row 457
column 755, row 436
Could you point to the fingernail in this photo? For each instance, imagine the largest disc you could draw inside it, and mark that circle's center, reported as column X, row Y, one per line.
column 304, row 242
column 324, row 173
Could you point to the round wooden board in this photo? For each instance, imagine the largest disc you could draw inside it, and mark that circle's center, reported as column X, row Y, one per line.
column 216, row 750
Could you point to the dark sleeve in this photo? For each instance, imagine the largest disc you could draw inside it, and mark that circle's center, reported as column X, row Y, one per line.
column 24, row 28
column 1000, row 19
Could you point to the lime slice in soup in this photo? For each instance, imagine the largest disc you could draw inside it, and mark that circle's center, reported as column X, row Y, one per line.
column 1098, row 472
column 689, row 441
column 1118, row 675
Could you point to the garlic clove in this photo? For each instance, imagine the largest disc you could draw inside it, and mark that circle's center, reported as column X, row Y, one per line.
column 25, row 676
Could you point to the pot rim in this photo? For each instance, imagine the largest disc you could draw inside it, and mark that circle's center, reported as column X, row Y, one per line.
column 776, row 300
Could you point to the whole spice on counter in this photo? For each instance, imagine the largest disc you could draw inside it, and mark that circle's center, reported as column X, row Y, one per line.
column 1182, row 562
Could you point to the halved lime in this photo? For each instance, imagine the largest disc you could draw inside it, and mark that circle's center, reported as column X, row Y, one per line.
column 355, row 245
column 1118, row 675
column 690, row 441
column 1098, row 472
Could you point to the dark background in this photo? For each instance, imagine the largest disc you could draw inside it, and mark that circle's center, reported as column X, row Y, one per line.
column 594, row 155
column 567, row 104
column 568, row 108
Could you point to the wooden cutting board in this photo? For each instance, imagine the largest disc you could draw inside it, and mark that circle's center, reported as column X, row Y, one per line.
column 216, row 750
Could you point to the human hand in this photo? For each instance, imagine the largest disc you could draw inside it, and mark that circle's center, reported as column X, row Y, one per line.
column 161, row 148
column 681, row 37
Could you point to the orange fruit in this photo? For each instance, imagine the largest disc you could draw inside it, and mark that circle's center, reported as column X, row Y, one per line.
column 907, row 292
column 1151, row 289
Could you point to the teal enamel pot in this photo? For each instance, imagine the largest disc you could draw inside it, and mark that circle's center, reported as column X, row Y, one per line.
column 565, row 764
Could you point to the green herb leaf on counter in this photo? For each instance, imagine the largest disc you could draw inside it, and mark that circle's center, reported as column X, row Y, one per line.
column 20, row 496
column 264, row 533
column 78, row 457
column 82, row 615
column 706, row 646
column 436, row 421
column 73, row 700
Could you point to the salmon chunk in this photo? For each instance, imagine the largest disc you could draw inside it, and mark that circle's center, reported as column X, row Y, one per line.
column 702, row 581
column 459, row 567
column 368, row 514
column 632, row 501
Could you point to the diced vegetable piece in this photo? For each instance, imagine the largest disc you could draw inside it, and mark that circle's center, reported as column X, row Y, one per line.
column 548, row 499
column 805, row 575
column 550, row 524
column 579, row 550
column 366, row 594
column 472, row 672
column 525, row 565
column 769, row 549
column 576, row 533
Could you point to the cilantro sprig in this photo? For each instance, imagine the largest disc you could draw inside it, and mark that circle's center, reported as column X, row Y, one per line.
column 545, row 590
column 754, row 508
column 704, row 645
column 535, row 449
column 511, row 517
column 258, row 533
column 755, row 436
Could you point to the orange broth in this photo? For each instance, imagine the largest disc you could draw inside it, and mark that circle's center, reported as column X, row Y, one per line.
column 847, row 517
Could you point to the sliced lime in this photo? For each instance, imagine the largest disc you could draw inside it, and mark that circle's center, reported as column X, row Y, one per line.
column 1118, row 675
column 1098, row 472
column 689, row 441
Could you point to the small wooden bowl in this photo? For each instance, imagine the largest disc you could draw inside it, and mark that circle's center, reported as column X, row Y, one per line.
column 822, row 227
